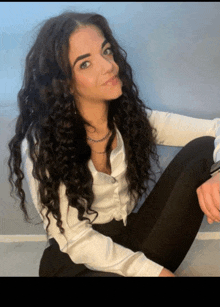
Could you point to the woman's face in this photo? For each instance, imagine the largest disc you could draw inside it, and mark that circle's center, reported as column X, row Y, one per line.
column 97, row 66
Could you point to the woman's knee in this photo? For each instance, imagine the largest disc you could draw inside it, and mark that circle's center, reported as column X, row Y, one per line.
column 200, row 158
column 204, row 143
column 199, row 148
column 196, row 157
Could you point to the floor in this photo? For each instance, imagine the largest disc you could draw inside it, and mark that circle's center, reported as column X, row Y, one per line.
column 203, row 258
column 23, row 258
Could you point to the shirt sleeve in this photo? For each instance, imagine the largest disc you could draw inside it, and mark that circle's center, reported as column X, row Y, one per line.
column 81, row 242
column 177, row 130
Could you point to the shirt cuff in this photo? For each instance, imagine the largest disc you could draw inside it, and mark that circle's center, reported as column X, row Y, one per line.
column 150, row 269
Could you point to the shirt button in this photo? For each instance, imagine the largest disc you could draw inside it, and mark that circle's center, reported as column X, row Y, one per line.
column 113, row 180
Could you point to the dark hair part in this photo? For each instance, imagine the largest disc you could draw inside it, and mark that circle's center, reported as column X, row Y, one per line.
column 56, row 135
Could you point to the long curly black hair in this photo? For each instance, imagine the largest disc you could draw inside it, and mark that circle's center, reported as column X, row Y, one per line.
column 55, row 130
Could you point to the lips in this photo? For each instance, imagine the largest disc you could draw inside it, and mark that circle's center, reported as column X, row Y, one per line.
column 111, row 79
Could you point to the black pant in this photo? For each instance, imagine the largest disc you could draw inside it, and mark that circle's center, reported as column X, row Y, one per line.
column 166, row 224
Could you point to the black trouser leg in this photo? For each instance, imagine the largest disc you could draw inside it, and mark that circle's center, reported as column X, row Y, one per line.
column 166, row 225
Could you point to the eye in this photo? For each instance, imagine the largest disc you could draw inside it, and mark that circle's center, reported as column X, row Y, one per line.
column 83, row 65
column 110, row 49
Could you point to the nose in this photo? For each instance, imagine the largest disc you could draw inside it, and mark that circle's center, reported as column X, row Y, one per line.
column 107, row 65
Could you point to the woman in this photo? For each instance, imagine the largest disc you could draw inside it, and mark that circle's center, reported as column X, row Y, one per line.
column 90, row 142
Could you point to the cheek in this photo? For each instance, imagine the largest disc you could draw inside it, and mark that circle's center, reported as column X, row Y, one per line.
column 85, row 83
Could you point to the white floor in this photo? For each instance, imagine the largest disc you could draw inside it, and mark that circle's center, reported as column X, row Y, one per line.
column 203, row 259
column 22, row 258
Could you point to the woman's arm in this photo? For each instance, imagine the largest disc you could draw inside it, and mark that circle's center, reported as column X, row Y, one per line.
column 178, row 130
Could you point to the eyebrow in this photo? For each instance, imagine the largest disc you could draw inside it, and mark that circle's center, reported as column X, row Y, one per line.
column 88, row 54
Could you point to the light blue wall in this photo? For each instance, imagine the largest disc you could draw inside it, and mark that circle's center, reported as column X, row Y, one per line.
column 173, row 48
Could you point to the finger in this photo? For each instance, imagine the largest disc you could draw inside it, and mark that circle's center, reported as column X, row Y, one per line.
column 203, row 205
column 210, row 221
column 210, row 204
column 216, row 201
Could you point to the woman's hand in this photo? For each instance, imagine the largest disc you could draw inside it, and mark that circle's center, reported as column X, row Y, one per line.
column 166, row 273
column 209, row 198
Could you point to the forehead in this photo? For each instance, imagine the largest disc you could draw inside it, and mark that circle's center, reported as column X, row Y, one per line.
column 84, row 37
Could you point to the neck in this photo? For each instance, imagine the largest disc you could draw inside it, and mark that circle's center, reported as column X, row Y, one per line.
column 95, row 114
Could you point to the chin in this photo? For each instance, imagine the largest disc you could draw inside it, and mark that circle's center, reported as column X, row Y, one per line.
column 112, row 98
column 115, row 95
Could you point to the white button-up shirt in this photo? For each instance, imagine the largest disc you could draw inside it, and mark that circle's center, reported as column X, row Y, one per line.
column 80, row 241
